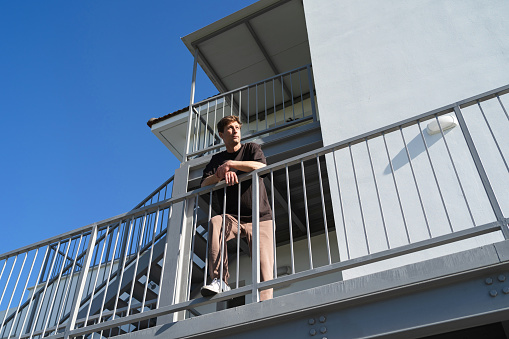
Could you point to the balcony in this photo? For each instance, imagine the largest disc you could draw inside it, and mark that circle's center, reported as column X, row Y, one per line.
column 347, row 216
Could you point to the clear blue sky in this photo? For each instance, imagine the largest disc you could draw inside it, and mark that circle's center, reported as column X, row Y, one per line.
column 78, row 82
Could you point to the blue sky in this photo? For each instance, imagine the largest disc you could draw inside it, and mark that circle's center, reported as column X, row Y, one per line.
column 78, row 82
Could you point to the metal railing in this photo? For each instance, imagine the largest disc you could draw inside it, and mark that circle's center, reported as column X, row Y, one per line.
column 263, row 107
column 381, row 195
column 86, row 276
column 385, row 194
column 163, row 192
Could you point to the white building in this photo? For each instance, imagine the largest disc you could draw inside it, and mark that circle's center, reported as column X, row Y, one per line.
column 385, row 128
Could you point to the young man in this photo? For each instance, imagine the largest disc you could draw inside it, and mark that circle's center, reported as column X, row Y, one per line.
column 228, row 165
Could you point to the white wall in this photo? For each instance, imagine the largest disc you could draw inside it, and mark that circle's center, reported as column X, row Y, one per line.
column 377, row 62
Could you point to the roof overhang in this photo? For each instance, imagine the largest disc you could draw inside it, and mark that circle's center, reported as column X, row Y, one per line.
column 264, row 39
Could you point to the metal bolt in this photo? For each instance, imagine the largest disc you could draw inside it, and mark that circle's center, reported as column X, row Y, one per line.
column 323, row 319
column 493, row 293
column 311, row 321
column 488, row 281
column 501, row 278
column 506, row 290
column 312, row 332
column 323, row 330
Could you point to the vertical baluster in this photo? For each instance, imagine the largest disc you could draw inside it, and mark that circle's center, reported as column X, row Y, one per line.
column 191, row 257
column 342, row 209
column 435, row 176
column 8, row 279
column 58, row 280
column 68, row 284
column 38, row 313
column 154, row 233
column 326, row 229
column 238, row 235
column 22, row 296
column 290, row 226
column 215, row 122
column 273, row 221
column 205, row 143
column 378, row 194
column 493, row 136
column 164, row 258
column 134, row 280
column 308, row 232
column 110, row 271
column 205, row 274
column 121, row 268
column 274, row 99
column 311, row 92
column 231, row 104
column 301, row 96
column 46, row 255
column 222, row 243
column 255, row 243
column 415, row 181
column 359, row 199
column 396, row 187
column 256, row 106
column 503, row 108
column 283, row 98
column 3, row 268
column 455, row 171
column 265, row 102
column 291, row 92
column 80, row 287
column 248, row 108
column 13, row 292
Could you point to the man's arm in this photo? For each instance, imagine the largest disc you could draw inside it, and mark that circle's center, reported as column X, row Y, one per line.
column 230, row 177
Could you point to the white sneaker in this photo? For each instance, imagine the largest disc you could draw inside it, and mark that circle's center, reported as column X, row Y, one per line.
column 216, row 286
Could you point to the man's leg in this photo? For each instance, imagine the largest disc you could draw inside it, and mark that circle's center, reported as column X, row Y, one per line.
column 266, row 256
column 215, row 241
column 266, row 252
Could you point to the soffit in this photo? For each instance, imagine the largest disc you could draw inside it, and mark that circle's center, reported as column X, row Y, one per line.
column 264, row 39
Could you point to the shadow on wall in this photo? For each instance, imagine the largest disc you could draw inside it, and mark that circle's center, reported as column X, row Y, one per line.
column 415, row 147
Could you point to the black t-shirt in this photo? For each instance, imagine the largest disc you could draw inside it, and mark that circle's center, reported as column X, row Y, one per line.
column 247, row 152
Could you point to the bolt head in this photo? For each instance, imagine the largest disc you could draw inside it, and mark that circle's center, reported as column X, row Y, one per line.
column 488, row 281
column 501, row 278
column 493, row 293
column 312, row 332
column 506, row 290
column 311, row 321
column 323, row 319
column 323, row 330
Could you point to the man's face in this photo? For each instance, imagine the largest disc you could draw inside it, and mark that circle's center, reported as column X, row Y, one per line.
column 231, row 134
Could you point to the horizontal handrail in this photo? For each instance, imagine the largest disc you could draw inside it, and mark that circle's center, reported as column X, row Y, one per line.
column 306, row 156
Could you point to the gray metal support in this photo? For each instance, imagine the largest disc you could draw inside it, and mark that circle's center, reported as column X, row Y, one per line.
column 191, row 102
column 174, row 287
column 312, row 93
column 81, row 283
column 255, row 256
column 482, row 173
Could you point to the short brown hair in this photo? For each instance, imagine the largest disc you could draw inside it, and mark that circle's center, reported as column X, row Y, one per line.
column 226, row 121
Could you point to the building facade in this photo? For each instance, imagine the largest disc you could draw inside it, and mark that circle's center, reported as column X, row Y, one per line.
column 385, row 130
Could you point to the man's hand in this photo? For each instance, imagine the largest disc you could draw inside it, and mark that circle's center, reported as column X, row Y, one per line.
column 231, row 178
column 223, row 169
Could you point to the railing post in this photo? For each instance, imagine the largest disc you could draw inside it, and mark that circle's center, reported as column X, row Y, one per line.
column 482, row 173
column 174, row 269
column 255, row 249
column 191, row 102
column 311, row 92
column 80, row 287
